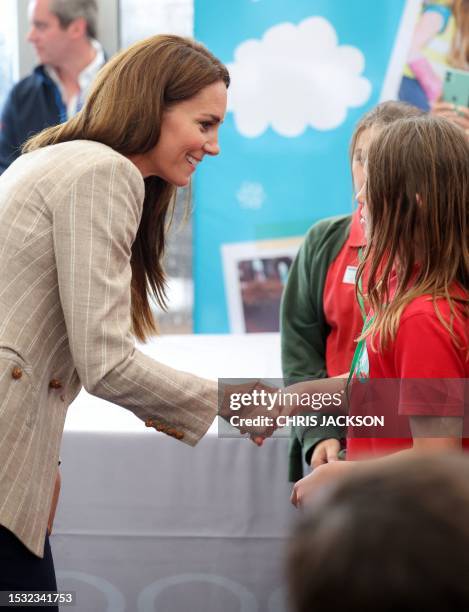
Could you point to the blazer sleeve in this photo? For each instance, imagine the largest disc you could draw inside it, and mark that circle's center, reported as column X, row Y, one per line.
column 94, row 226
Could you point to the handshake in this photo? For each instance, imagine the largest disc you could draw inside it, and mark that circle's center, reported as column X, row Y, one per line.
column 257, row 409
column 252, row 407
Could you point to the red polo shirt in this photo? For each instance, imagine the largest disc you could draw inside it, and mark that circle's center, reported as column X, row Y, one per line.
column 341, row 308
column 422, row 349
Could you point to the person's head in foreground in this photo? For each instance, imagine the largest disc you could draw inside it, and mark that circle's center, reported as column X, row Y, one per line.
column 389, row 538
column 160, row 103
column 415, row 209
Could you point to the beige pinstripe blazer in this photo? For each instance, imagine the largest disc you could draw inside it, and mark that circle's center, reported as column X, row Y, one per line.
column 68, row 216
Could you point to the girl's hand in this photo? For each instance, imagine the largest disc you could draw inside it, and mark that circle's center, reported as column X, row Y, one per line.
column 326, row 451
column 323, row 475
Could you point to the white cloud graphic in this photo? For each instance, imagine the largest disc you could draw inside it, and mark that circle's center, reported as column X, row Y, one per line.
column 295, row 77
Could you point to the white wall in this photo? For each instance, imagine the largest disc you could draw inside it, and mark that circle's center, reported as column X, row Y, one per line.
column 8, row 47
column 142, row 18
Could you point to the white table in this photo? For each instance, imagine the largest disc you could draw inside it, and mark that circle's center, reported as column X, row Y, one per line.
column 146, row 523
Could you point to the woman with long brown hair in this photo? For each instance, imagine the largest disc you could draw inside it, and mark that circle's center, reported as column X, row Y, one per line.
column 83, row 217
column 414, row 206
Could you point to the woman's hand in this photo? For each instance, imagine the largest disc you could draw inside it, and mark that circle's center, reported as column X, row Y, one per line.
column 322, row 475
column 326, row 451
column 252, row 408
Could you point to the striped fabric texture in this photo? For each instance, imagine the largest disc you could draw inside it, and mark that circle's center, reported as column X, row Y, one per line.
column 69, row 214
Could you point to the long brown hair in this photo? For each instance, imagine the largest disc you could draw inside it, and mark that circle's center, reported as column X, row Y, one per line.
column 418, row 196
column 459, row 52
column 124, row 110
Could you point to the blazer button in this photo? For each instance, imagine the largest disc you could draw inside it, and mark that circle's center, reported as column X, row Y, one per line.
column 16, row 373
column 155, row 424
column 55, row 384
column 174, row 433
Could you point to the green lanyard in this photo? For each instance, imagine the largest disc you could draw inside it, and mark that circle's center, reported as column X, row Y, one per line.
column 358, row 351
column 366, row 324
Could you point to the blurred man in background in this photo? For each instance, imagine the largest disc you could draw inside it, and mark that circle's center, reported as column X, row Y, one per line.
column 63, row 33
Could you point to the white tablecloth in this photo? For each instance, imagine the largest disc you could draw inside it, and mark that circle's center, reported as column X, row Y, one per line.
column 147, row 523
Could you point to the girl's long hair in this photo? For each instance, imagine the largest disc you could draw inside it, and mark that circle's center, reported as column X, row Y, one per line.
column 375, row 119
column 418, row 198
column 124, row 110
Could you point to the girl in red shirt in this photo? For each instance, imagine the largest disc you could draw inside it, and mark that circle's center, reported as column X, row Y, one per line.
column 415, row 211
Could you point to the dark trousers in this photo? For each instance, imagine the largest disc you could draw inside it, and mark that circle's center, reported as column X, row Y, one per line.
column 20, row 570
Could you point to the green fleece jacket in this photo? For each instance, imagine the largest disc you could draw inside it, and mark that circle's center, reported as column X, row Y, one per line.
column 304, row 328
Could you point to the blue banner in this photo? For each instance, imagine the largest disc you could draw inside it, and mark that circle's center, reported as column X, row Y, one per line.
column 303, row 72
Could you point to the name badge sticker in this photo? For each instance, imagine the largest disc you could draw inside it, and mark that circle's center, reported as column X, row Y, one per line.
column 350, row 275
